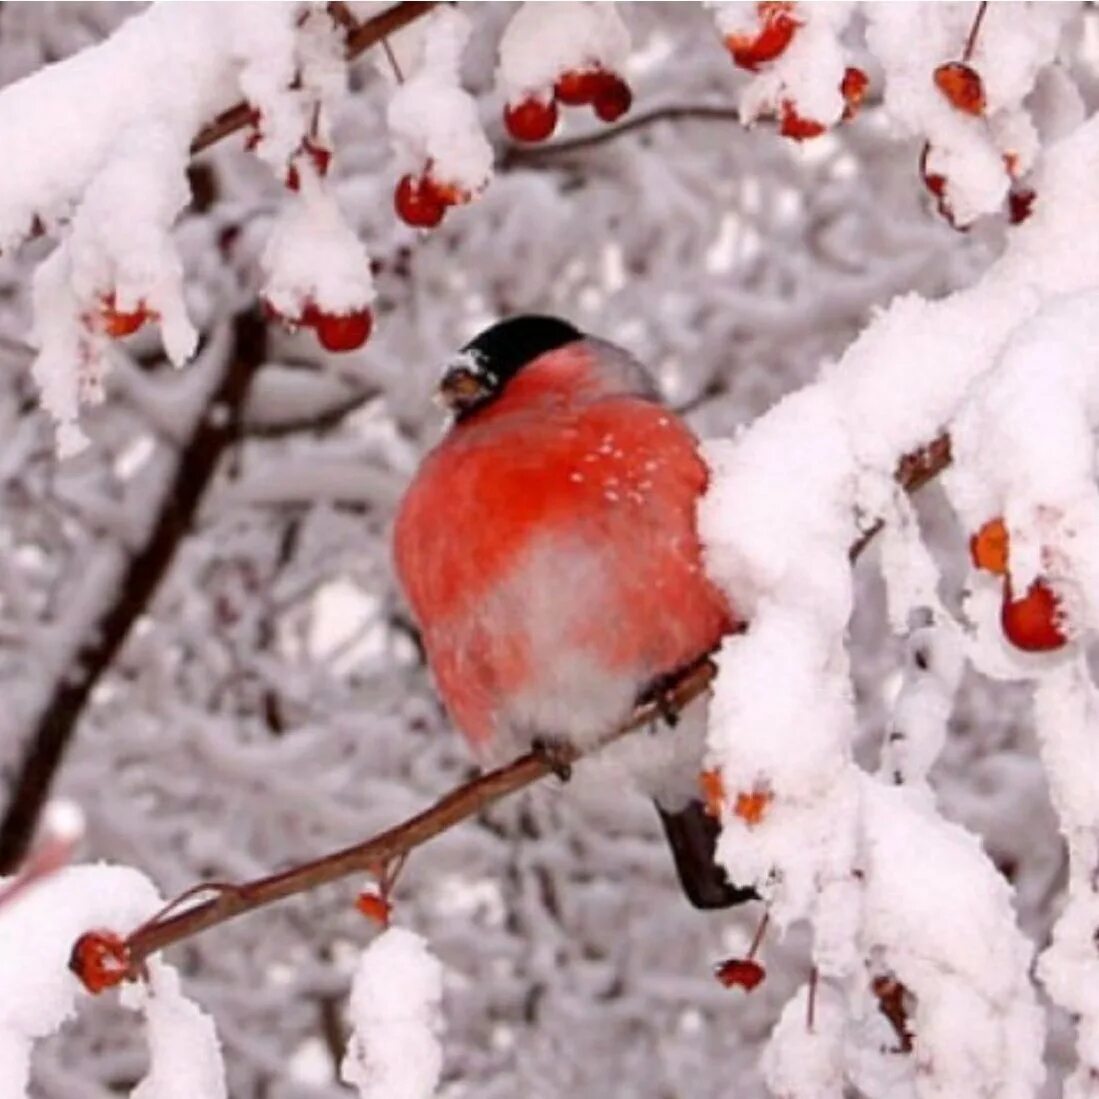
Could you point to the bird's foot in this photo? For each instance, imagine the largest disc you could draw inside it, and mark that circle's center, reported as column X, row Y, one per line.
column 557, row 755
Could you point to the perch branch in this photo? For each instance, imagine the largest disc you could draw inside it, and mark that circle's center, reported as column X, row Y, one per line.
column 230, row 901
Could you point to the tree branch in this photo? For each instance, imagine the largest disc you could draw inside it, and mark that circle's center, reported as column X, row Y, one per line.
column 137, row 585
column 359, row 39
column 375, row 854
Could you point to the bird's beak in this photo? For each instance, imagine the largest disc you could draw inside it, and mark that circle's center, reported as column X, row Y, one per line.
column 462, row 389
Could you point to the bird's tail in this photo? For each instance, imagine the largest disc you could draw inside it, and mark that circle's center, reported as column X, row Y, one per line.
column 692, row 835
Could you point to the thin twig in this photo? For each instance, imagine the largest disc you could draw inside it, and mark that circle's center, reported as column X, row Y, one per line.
column 974, row 30
column 453, row 808
column 913, row 471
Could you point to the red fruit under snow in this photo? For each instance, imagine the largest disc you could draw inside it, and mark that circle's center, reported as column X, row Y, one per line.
column 853, row 89
column 1019, row 205
column 318, row 154
column 117, row 323
column 713, row 791
column 612, row 97
column 793, row 125
column 740, row 973
column 776, row 27
column 343, row 332
column 531, row 119
column 1033, row 623
column 577, row 87
column 100, row 959
column 962, row 86
column 417, row 203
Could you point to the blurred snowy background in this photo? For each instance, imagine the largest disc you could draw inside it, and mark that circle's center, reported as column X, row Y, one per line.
column 257, row 694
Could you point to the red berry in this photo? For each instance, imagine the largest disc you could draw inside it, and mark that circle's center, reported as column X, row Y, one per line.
column 531, row 119
column 777, row 27
column 343, row 332
column 374, row 907
column 612, row 97
column 988, row 548
column 118, row 324
column 853, row 89
column 417, row 203
column 713, row 791
column 793, row 125
column 739, row 973
column 578, row 87
column 101, row 959
column 752, row 807
column 1019, row 204
column 962, row 86
column 1033, row 623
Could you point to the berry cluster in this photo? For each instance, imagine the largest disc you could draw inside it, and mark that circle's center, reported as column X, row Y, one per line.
column 535, row 118
column 1034, row 622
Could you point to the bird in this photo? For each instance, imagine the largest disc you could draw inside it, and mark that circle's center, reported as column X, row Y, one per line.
column 548, row 550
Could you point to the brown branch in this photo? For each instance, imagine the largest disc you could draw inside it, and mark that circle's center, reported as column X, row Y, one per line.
column 137, row 585
column 360, row 39
column 229, row 902
column 525, row 154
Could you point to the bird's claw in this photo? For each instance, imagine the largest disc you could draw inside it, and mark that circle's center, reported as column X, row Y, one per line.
column 556, row 755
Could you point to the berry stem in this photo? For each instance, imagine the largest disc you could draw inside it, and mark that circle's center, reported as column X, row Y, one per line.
column 974, row 30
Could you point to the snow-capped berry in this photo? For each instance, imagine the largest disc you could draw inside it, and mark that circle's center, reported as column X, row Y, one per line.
column 739, row 973
column 531, row 119
column 342, row 332
column 988, row 548
column 1033, row 623
column 318, row 154
column 1019, row 205
column 417, row 203
column 777, row 25
column 791, row 124
column 117, row 323
column 853, row 89
column 712, row 790
column 577, row 87
column 612, row 97
column 962, row 86
column 752, row 807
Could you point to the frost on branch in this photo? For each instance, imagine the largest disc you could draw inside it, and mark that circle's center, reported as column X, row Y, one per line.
column 37, row 931
column 394, row 1052
column 887, row 884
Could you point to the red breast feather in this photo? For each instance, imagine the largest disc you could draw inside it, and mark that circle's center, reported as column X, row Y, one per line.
column 548, row 549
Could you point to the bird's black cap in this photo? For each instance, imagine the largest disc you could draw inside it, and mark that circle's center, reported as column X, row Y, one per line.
column 489, row 361
column 509, row 345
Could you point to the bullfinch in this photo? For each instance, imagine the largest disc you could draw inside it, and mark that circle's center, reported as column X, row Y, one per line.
column 548, row 550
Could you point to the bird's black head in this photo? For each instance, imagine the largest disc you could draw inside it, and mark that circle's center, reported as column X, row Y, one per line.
column 487, row 363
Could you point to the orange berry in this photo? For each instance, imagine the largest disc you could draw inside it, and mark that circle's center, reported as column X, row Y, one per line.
column 118, row 324
column 374, row 907
column 1033, row 623
column 713, row 791
column 988, row 548
column 962, row 86
column 739, row 973
column 101, row 959
column 531, row 119
column 752, row 807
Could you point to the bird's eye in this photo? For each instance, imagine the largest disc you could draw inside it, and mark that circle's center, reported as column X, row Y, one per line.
column 462, row 389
